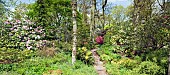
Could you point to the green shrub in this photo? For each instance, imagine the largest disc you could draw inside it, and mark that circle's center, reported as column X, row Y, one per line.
column 9, row 73
column 160, row 57
column 148, row 67
column 47, row 52
column 127, row 63
column 85, row 55
column 115, row 69
column 10, row 55
column 42, row 65
column 112, row 69
column 107, row 53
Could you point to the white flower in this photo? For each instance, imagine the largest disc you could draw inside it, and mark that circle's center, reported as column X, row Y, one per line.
column 37, row 37
column 27, row 43
column 25, row 27
column 15, row 30
column 29, row 47
column 30, row 27
column 7, row 22
column 18, row 21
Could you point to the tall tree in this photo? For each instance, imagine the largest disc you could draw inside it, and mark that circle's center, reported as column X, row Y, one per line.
column 103, row 10
column 92, row 22
column 56, row 16
column 74, row 15
column 83, row 24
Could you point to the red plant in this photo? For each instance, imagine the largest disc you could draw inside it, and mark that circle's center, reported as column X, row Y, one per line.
column 99, row 39
column 166, row 17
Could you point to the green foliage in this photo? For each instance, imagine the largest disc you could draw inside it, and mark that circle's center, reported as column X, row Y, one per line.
column 112, row 69
column 47, row 52
column 79, row 68
column 108, row 53
column 116, row 69
column 120, row 65
column 150, row 68
column 8, row 73
column 160, row 57
column 54, row 16
column 10, row 55
column 43, row 65
column 2, row 8
column 132, row 67
column 127, row 63
column 34, row 65
column 63, row 47
column 85, row 55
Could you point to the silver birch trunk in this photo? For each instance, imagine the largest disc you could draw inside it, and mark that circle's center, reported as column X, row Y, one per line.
column 74, row 8
column 92, row 21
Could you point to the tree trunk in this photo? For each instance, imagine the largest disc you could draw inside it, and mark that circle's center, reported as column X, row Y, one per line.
column 84, row 13
column 74, row 12
column 92, row 22
column 103, row 6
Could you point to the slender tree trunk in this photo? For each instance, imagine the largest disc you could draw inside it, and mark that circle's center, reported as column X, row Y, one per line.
column 84, row 3
column 103, row 6
column 93, row 19
column 74, row 8
column 84, row 13
column 91, row 29
column 92, row 23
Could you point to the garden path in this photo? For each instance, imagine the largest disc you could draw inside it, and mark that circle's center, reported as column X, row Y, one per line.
column 98, row 65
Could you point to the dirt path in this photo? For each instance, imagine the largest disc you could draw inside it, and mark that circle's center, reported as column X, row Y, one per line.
column 98, row 65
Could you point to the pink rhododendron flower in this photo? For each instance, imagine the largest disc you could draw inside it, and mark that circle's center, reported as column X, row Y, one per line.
column 11, row 28
column 15, row 29
column 25, row 27
column 43, row 35
column 44, row 40
column 28, row 21
column 166, row 17
column 99, row 39
column 7, row 22
column 18, row 21
column 29, row 47
column 28, row 42
column 22, row 40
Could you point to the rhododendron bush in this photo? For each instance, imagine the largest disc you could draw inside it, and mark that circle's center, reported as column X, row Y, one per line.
column 22, row 34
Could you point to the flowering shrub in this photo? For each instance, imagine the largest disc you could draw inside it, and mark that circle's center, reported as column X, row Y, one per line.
column 84, row 54
column 23, row 34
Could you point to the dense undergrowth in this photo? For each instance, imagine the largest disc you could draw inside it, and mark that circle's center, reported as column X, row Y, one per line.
column 60, row 63
column 153, row 63
column 52, row 61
